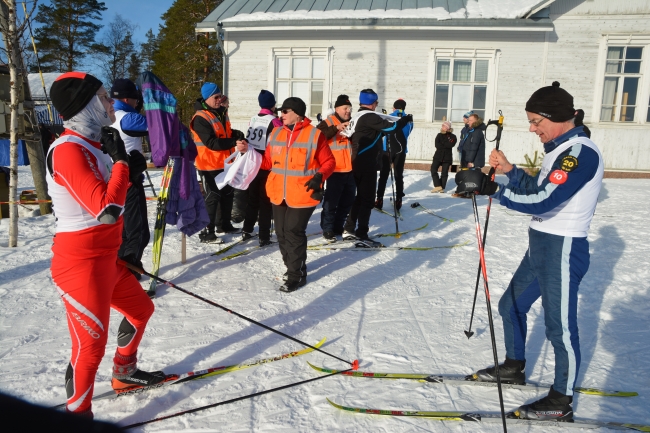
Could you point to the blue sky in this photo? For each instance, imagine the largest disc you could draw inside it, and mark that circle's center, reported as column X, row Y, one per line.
column 144, row 13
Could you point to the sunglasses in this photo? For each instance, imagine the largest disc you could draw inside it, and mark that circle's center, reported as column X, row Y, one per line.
column 287, row 110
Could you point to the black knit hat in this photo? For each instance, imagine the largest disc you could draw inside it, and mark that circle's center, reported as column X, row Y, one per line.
column 72, row 91
column 552, row 102
column 400, row 104
column 124, row 88
column 342, row 100
column 295, row 104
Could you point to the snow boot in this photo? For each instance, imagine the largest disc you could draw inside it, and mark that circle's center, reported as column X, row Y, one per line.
column 292, row 285
column 366, row 242
column 438, row 189
column 379, row 203
column 127, row 376
column 265, row 242
column 228, row 229
column 554, row 407
column 511, row 371
column 398, row 204
column 246, row 236
column 208, row 237
column 329, row 236
column 349, row 236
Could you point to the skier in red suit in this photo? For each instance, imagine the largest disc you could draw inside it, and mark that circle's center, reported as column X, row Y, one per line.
column 88, row 177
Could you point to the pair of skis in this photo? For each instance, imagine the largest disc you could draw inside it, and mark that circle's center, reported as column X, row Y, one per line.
column 175, row 379
column 480, row 417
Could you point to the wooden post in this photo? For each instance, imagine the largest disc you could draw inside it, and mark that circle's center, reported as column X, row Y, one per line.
column 183, row 250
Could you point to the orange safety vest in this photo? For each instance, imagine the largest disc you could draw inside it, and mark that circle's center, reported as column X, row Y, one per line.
column 292, row 166
column 207, row 159
column 340, row 146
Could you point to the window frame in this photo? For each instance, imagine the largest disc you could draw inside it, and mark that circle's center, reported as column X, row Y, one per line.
column 491, row 55
column 302, row 52
column 642, row 107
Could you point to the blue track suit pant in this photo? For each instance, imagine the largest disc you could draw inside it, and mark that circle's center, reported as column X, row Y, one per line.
column 552, row 268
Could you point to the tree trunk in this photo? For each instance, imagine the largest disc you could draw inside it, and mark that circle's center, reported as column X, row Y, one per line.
column 11, row 42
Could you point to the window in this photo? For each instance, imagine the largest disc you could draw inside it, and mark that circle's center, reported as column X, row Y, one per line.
column 621, row 85
column 301, row 75
column 460, row 86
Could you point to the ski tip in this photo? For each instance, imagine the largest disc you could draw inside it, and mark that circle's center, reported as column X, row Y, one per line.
column 469, row 334
column 355, row 365
column 397, row 236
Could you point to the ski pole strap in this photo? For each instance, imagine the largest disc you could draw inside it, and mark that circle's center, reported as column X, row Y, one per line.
column 233, row 400
column 355, row 364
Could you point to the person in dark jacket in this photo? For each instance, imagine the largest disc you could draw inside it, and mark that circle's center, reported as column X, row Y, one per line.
column 474, row 144
column 215, row 141
column 395, row 155
column 367, row 129
column 445, row 142
column 463, row 136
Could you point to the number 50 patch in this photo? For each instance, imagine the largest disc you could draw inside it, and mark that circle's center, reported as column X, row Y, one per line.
column 558, row 177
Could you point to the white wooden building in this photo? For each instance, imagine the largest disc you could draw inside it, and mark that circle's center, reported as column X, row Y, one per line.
column 445, row 57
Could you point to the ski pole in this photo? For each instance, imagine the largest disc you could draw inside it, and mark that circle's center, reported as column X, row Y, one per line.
column 499, row 124
column 355, row 364
column 489, row 309
column 392, row 184
column 416, row 204
column 233, row 400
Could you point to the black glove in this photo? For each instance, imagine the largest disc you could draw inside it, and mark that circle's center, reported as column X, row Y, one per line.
column 403, row 121
column 474, row 182
column 112, row 144
column 314, row 184
column 238, row 135
column 137, row 165
column 140, row 105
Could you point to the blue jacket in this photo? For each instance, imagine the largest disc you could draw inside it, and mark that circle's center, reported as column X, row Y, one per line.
column 133, row 124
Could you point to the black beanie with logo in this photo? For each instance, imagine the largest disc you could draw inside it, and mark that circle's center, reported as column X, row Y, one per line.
column 552, row 102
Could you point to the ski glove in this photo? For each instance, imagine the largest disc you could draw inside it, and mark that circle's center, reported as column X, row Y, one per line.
column 137, row 165
column 314, row 184
column 403, row 121
column 475, row 182
column 112, row 144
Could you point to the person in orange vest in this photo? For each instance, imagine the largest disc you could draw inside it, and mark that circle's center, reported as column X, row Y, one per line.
column 215, row 141
column 341, row 188
column 300, row 160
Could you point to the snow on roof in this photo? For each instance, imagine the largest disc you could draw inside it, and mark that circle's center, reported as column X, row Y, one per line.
column 36, row 86
column 273, row 10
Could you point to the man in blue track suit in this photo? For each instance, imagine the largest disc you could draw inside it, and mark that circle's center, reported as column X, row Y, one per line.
column 562, row 199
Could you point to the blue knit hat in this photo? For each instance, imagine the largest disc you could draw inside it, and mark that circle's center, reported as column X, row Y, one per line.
column 266, row 99
column 466, row 115
column 367, row 97
column 209, row 89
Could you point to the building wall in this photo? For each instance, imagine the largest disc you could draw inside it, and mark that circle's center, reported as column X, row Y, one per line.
column 400, row 64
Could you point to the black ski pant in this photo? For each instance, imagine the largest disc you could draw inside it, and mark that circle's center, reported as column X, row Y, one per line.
column 135, row 234
column 218, row 202
column 291, row 230
column 444, row 175
column 365, row 177
column 398, row 173
column 258, row 206
column 339, row 195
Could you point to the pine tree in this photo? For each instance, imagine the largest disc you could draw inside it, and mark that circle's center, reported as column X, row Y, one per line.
column 68, row 32
column 148, row 50
column 135, row 67
column 184, row 59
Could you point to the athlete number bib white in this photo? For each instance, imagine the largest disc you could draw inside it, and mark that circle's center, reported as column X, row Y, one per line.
column 349, row 130
column 257, row 128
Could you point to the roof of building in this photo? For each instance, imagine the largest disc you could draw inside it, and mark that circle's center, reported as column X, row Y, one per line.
column 36, row 85
column 315, row 12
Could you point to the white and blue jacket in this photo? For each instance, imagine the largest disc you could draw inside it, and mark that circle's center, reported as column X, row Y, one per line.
column 130, row 124
column 562, row 197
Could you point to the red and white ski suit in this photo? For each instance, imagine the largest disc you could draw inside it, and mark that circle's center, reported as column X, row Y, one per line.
column 88, row 194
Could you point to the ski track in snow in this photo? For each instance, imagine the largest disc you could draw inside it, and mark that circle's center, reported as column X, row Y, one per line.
column 395, row 311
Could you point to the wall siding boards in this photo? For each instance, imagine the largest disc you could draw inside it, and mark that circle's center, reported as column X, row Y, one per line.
column 398, row 64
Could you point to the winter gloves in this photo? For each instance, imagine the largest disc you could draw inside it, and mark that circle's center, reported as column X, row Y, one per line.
column 405, row 120
column 475, row 182
column 112, row 144
column 314, row 184
column 137, row 165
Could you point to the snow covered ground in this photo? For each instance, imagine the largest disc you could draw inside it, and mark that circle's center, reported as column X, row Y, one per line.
column 395, row 311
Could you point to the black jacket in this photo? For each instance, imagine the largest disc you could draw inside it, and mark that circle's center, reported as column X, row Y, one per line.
column 474, row 146
column 366, row 141
column 206, row 133
column 444, row 145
